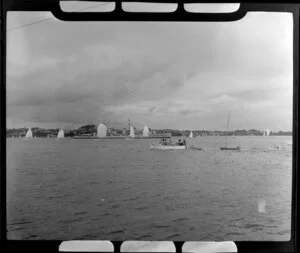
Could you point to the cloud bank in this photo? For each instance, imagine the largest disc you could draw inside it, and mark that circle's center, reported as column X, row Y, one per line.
column 175, row 75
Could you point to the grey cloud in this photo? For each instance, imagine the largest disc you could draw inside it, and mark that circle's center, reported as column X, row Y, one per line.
column 189, row 112
column 97, row 65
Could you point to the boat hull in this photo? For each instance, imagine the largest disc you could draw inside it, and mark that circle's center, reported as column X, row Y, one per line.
column 166, row 147
column 226, row 148
column 195, row 148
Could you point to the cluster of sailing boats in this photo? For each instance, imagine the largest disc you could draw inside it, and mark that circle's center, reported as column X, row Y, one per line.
column 164, row 144
column 29, row 134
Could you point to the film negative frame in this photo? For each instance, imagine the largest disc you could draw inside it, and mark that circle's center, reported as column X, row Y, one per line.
column 179, row 15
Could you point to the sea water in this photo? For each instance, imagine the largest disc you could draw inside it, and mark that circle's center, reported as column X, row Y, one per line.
column 119, row 190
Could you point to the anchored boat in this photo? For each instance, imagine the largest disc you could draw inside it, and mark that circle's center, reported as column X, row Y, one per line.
column 168, row 145
column 226, row 147
column 230, row 148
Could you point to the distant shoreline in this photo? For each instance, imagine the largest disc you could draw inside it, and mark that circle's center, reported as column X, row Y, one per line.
column 91, row 130
column 139, row 137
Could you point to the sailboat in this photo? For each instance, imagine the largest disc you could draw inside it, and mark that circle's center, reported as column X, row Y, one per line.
column 131, row 134
column 60, row 134
column 191, row 134
column 101, row 131
column 131, row 131
column 226, row 147
column 28, row 134
column 267, row 132
column 146, row 131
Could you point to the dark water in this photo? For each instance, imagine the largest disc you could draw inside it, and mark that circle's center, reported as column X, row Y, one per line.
column 120, row 190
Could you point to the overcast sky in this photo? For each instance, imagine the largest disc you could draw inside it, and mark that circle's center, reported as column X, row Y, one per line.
column 164, row 75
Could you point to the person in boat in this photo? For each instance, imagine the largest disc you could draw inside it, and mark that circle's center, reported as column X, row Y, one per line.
column 180, row 142
column 163, row 141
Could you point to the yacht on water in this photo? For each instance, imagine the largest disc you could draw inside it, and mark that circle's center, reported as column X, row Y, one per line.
column 146, row 131
column 131, row 133
column 165, row 144
column 60, row 134
column 29, row 134
column 267, row 132
column 226, row 147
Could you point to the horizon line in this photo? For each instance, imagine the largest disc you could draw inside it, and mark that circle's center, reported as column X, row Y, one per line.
column 173, row 129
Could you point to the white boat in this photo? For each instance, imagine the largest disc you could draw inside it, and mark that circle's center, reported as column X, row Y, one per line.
column 191, row 134
column 166, row 147
column 131, row 134
column 28, row 134
column 61, row 134
column 101, row 130
column 146, row 131
column 266, row 132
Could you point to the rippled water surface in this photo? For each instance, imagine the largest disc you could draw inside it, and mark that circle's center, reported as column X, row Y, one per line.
column 120, row 190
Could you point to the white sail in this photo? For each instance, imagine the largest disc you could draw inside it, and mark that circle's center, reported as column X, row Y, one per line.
column 191, row 134
column 131, row 134
column 146, row 131
column 267, row 132
column 61, row 134
column 28, row 134
column 101, row 130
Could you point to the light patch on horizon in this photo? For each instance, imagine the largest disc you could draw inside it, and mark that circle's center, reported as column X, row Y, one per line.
column 175, row 75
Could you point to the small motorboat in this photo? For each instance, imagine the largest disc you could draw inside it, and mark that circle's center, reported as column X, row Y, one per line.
column 167, row 147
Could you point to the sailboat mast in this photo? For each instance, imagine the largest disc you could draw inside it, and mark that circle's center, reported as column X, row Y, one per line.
column 227, row 128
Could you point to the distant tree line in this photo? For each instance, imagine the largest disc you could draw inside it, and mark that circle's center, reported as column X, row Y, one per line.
column 92, row 130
